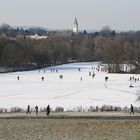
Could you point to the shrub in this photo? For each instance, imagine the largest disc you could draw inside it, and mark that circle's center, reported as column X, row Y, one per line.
column 59, row 109
column 16, row 109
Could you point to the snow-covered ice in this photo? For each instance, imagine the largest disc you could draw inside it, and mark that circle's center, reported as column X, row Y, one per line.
column 70, row 91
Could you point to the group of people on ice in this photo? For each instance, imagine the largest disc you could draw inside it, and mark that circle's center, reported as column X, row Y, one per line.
column 92, row 74
column 133, row 79
column 48, row 109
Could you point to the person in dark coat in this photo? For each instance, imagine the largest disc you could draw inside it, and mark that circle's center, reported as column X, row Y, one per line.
column 132, row 109
column 42, row 78
column 106, row 79
column 28, row 110
column 17, row 77
column 48, row 109
column 36, row 109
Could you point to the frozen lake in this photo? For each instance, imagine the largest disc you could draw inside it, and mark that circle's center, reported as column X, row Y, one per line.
column 70, row 91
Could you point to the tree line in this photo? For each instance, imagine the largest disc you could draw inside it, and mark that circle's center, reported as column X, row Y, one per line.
column 107, row 46
column 8, row 31
column 53, row 50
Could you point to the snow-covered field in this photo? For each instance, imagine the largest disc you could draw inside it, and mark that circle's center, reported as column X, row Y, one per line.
column 70, row 91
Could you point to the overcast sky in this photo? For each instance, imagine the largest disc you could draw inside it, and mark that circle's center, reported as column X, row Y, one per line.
column 60, row 14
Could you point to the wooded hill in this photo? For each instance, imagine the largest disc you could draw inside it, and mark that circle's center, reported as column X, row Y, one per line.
column 105, row 46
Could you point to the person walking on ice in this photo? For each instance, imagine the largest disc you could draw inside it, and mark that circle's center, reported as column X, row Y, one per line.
column 132, row 109
column 28, row 110
column 17, row 77
column 42, row 78
column 48, row 109
column 36, row 109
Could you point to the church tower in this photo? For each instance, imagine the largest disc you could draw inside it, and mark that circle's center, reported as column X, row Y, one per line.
column 75, row 26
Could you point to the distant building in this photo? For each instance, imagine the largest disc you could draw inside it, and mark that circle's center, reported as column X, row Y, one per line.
column 67, row 33
column 75, row 26
column 35, row 37
column 3, row 36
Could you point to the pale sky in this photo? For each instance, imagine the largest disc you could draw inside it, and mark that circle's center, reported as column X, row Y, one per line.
column 60, row 14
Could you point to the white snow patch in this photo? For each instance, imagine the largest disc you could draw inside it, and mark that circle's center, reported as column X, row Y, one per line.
column 70, row 91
